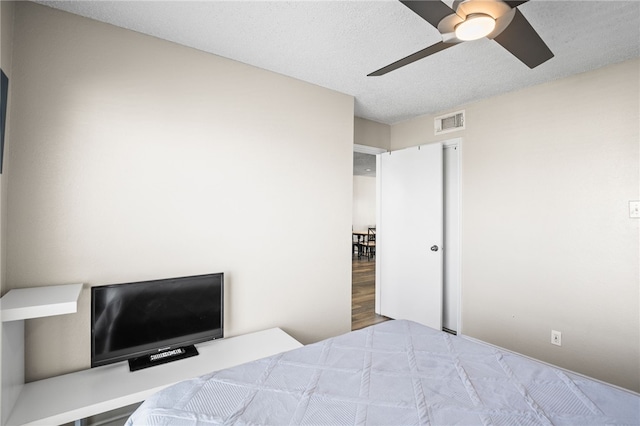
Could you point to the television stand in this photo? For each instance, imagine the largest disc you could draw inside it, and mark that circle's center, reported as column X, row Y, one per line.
column 76, row 396
column 152, row 360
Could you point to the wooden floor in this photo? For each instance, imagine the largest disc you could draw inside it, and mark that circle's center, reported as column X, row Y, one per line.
column 363, row 294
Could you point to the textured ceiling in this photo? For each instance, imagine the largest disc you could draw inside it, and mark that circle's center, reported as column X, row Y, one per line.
column 364, row 164
column 335, row 44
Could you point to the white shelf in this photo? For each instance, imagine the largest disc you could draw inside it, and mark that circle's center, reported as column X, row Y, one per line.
column 15, row 307
column 78, row 395
column 37, row 302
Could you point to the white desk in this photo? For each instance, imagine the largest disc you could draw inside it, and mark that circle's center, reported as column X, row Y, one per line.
column 82, row 394
column 74, row 396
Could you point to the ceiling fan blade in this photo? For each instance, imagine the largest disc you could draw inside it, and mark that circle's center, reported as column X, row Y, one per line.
column 523, row 41
column 412, row 58
column 513, row 4
column 431, row 11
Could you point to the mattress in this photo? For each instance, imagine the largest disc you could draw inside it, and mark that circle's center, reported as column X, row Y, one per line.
column 393, row 373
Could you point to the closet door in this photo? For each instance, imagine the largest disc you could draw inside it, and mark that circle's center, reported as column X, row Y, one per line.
column 410, row 233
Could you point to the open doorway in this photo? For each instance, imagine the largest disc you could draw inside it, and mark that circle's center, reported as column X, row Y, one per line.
column 363, row 269
column 363, row 276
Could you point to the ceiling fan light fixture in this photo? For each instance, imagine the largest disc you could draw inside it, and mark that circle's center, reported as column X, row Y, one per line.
column 475, row 26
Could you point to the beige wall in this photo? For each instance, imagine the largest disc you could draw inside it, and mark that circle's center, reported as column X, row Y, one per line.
column 371, row 133
column 364, row 202
column 135, row 158
column 547, row 242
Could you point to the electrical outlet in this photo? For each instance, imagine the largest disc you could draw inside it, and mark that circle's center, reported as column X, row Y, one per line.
column 556, row 338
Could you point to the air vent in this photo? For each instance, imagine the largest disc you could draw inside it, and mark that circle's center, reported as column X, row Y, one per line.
column 449, row 122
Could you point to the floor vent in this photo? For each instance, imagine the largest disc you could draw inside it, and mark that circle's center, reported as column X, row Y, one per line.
column 449, row 122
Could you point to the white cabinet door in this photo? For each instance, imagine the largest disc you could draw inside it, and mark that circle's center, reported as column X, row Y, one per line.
column 410, row 233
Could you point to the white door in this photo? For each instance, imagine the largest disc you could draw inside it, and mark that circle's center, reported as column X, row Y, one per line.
column 409, row 235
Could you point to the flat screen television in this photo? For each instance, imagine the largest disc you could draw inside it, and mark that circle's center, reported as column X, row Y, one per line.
column 153, row 322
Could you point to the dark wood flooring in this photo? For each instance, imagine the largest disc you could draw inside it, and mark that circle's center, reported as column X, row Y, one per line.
column 363, row 290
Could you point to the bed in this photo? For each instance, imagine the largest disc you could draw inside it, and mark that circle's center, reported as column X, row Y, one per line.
column 394, row 373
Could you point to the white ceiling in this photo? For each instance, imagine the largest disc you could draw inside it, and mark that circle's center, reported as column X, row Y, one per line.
column 364, row 164
column 335, row 44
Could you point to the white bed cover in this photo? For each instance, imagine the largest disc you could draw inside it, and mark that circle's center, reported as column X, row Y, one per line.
column 394, row 373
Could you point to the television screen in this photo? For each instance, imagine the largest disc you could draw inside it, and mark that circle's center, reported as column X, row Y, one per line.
column 143, row 319
column 4, row 90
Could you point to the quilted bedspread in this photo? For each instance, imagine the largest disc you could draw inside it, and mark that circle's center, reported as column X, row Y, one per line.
column 394, row 373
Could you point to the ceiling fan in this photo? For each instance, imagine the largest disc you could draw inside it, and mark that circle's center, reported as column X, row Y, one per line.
column 499, row 20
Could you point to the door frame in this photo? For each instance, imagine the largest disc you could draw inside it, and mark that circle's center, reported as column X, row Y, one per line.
column 364, row 149
column 446, row 143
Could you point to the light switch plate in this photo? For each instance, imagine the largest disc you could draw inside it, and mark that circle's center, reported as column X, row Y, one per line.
column 634, row 209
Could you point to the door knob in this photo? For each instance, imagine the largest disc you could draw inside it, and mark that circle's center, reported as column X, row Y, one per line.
column 434, row 248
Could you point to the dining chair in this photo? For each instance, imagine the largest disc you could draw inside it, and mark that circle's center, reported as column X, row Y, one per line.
column 356, row 247
column 370, row 243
